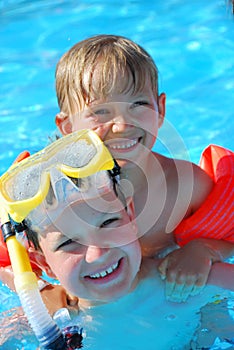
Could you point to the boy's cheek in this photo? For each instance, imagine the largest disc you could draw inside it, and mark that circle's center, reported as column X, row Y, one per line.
column 64, row 270
column 80, row 124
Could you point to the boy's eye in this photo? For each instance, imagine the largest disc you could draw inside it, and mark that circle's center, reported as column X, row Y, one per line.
column 102, row 111
column 140, row 103
column 108, row 222
column 69, row 241
column 102, row 115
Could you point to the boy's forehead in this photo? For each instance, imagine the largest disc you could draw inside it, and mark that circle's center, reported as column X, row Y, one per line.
column 121, row 81
column 88, row 226
column 89, row 213
column 94, row 81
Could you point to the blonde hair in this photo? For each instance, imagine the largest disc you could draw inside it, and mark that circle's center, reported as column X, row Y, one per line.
column 119, row 62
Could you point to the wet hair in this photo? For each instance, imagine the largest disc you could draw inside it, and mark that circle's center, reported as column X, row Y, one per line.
column 32, row 236
column 94, row 67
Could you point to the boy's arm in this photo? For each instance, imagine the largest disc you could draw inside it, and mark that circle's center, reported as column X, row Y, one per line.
column 7, row 277
column 207, row 236
column 222, row 275
column 54, row 296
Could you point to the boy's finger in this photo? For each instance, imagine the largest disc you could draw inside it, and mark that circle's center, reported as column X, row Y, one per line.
column 196, row 290
column 169, row 289
column 162, row 268
column 178, row 292
column 187, row 291
column 202, row 279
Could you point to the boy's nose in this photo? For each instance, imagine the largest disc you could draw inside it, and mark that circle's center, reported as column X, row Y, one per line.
column 120, row 123
column 93, row 253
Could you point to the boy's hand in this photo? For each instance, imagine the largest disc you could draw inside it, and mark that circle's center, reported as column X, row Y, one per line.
column 56, row 297
column 186, row 270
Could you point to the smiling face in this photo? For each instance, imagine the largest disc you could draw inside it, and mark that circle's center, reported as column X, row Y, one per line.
column 127, row 122
column 109, row 84
column 94, row 253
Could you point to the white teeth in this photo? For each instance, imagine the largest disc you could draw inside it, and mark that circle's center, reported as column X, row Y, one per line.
column 105, row 273
column 109, row 270
column 124, row 146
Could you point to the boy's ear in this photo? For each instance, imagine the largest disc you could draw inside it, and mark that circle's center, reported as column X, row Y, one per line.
column 161, row 108
column 131, row 211
column 130, row 208
column 38, row 258
column 63, row 123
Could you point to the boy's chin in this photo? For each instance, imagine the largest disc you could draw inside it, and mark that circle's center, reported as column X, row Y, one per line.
column 123, row 292
column 111, row 298
column 100, row 301
column 116, row 297
column 135, row 161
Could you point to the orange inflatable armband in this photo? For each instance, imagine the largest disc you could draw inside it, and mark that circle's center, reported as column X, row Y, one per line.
column 4, row 256
column 214, row 219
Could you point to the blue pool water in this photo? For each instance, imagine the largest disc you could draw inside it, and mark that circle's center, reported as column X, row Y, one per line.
column 191, row 42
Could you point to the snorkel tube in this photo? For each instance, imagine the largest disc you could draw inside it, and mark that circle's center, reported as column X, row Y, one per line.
column 46, row 330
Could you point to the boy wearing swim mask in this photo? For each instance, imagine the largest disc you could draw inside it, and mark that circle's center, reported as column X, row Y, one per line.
column 109, row 84
column 82, row 231
column 80, row 225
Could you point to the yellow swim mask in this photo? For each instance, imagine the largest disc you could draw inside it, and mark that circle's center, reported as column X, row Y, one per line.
column 26, row 184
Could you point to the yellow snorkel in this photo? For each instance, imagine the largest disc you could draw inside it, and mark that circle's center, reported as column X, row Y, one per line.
column 44, row 327
column 17, row 252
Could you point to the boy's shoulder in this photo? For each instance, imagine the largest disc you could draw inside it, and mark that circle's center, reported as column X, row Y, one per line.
column 171, row 166
column 186, row 177
column 185, row 168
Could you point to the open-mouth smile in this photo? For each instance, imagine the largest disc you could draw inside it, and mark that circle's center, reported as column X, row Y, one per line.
column 124, row 144
column 105, row 274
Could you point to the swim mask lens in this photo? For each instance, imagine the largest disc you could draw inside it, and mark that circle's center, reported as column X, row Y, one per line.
column 66, row 163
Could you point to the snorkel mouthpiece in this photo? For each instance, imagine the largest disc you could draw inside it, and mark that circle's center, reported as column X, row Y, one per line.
column 73, row 337
column 26, row 286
